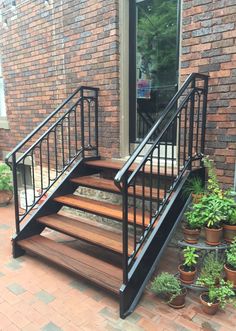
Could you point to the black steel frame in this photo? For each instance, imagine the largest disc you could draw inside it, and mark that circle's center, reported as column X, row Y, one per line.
column 187, row 112
column 65, row 137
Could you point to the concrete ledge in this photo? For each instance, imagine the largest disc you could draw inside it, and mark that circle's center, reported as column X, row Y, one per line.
column 4, row 124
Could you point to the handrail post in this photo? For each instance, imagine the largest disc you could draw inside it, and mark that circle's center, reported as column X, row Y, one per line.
column 191, row 123
column 125, row 230
column 96, row 120
column 82, row 120
column 204, row 111
column 15, row 189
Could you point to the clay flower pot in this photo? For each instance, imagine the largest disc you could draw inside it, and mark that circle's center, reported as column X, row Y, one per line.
column 191, row 236
column 230, row 274
column 207, row 307
column 179, row 301
column 229, row 232
column 186, row 277
column 213, row 236
column 5, row 198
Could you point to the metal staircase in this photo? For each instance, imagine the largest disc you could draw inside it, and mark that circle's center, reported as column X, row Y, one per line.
column 63, row 155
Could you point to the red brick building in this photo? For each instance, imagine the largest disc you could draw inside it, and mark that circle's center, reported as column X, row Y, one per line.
column 48, row 48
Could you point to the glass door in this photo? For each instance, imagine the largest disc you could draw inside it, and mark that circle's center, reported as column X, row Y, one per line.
column 154, row 57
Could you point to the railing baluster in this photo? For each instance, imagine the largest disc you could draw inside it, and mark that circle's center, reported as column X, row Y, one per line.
column 135, row 215
column 185, row 132
column 125, row 230
column 96, row 120
column 191, row 124
column 82, row 121
column 204, row 107
column 143, row 198
column 15, row 187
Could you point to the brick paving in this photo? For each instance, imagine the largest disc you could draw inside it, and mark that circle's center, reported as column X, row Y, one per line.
column 37, row 296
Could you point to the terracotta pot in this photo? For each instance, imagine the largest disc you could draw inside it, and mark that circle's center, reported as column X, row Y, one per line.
column 213, row 236
column 196, row 197
column 230, row 274
column 186, row 277
column 229, row 232
column 191, row 236
column 207, row 307
column 5, row 197
column 179, row 301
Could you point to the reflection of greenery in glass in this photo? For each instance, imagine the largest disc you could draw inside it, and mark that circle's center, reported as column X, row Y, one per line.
column 157, row 28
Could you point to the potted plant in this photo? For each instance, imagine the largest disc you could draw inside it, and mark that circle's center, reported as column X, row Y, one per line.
column 187, row 269
column 195, row 187
column 229, row 226
column 217, row 296
column 169, row 287
column 211, row 271
column 211, row 213
column 6, row 187
column 192, row 226
column 230, row 265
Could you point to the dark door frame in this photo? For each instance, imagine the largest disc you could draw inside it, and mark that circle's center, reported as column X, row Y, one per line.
column 132, row 65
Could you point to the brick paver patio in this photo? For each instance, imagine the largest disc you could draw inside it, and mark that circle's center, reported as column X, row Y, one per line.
column 37, row 296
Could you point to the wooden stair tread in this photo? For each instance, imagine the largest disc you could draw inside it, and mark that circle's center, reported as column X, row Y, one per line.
column 117, row 165
column 80, row 229
column 100, row 208
column 109, row 186
column 86, row 266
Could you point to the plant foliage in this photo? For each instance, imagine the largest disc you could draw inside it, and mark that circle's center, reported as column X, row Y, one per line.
column 166, row 283
column 231, row 254
column 5, row 178
column 195, row 186
column 211, row 270
column 213, row 185
column 157, row 28
column 190, row 256
column 193, row 221
column 223, row 294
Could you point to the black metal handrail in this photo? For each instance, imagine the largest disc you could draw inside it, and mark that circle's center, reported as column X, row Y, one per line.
column 186, row 112
column 68, row 133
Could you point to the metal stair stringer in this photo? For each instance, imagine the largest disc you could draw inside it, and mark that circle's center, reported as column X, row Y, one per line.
column 153, row 249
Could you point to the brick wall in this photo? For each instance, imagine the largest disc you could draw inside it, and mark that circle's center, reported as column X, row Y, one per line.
column 51, row 47
column 209, row 46
column 48, row 49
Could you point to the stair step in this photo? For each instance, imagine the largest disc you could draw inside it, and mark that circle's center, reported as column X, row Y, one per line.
column 117, row 165
column 81, row 229
column 86, row 266
column 109, row 186
column 100, row 208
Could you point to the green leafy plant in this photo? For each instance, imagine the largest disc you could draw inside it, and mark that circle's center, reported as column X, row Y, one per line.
column 211, row 211
column 223, row 293
column 195, row 186
column 193, row 221
column 157, row 38
column 213, row 185
column 5, row 178
column 231, row 255
column 231, row 217
column 211, row 270
column 166, row 284
column 190, row 257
